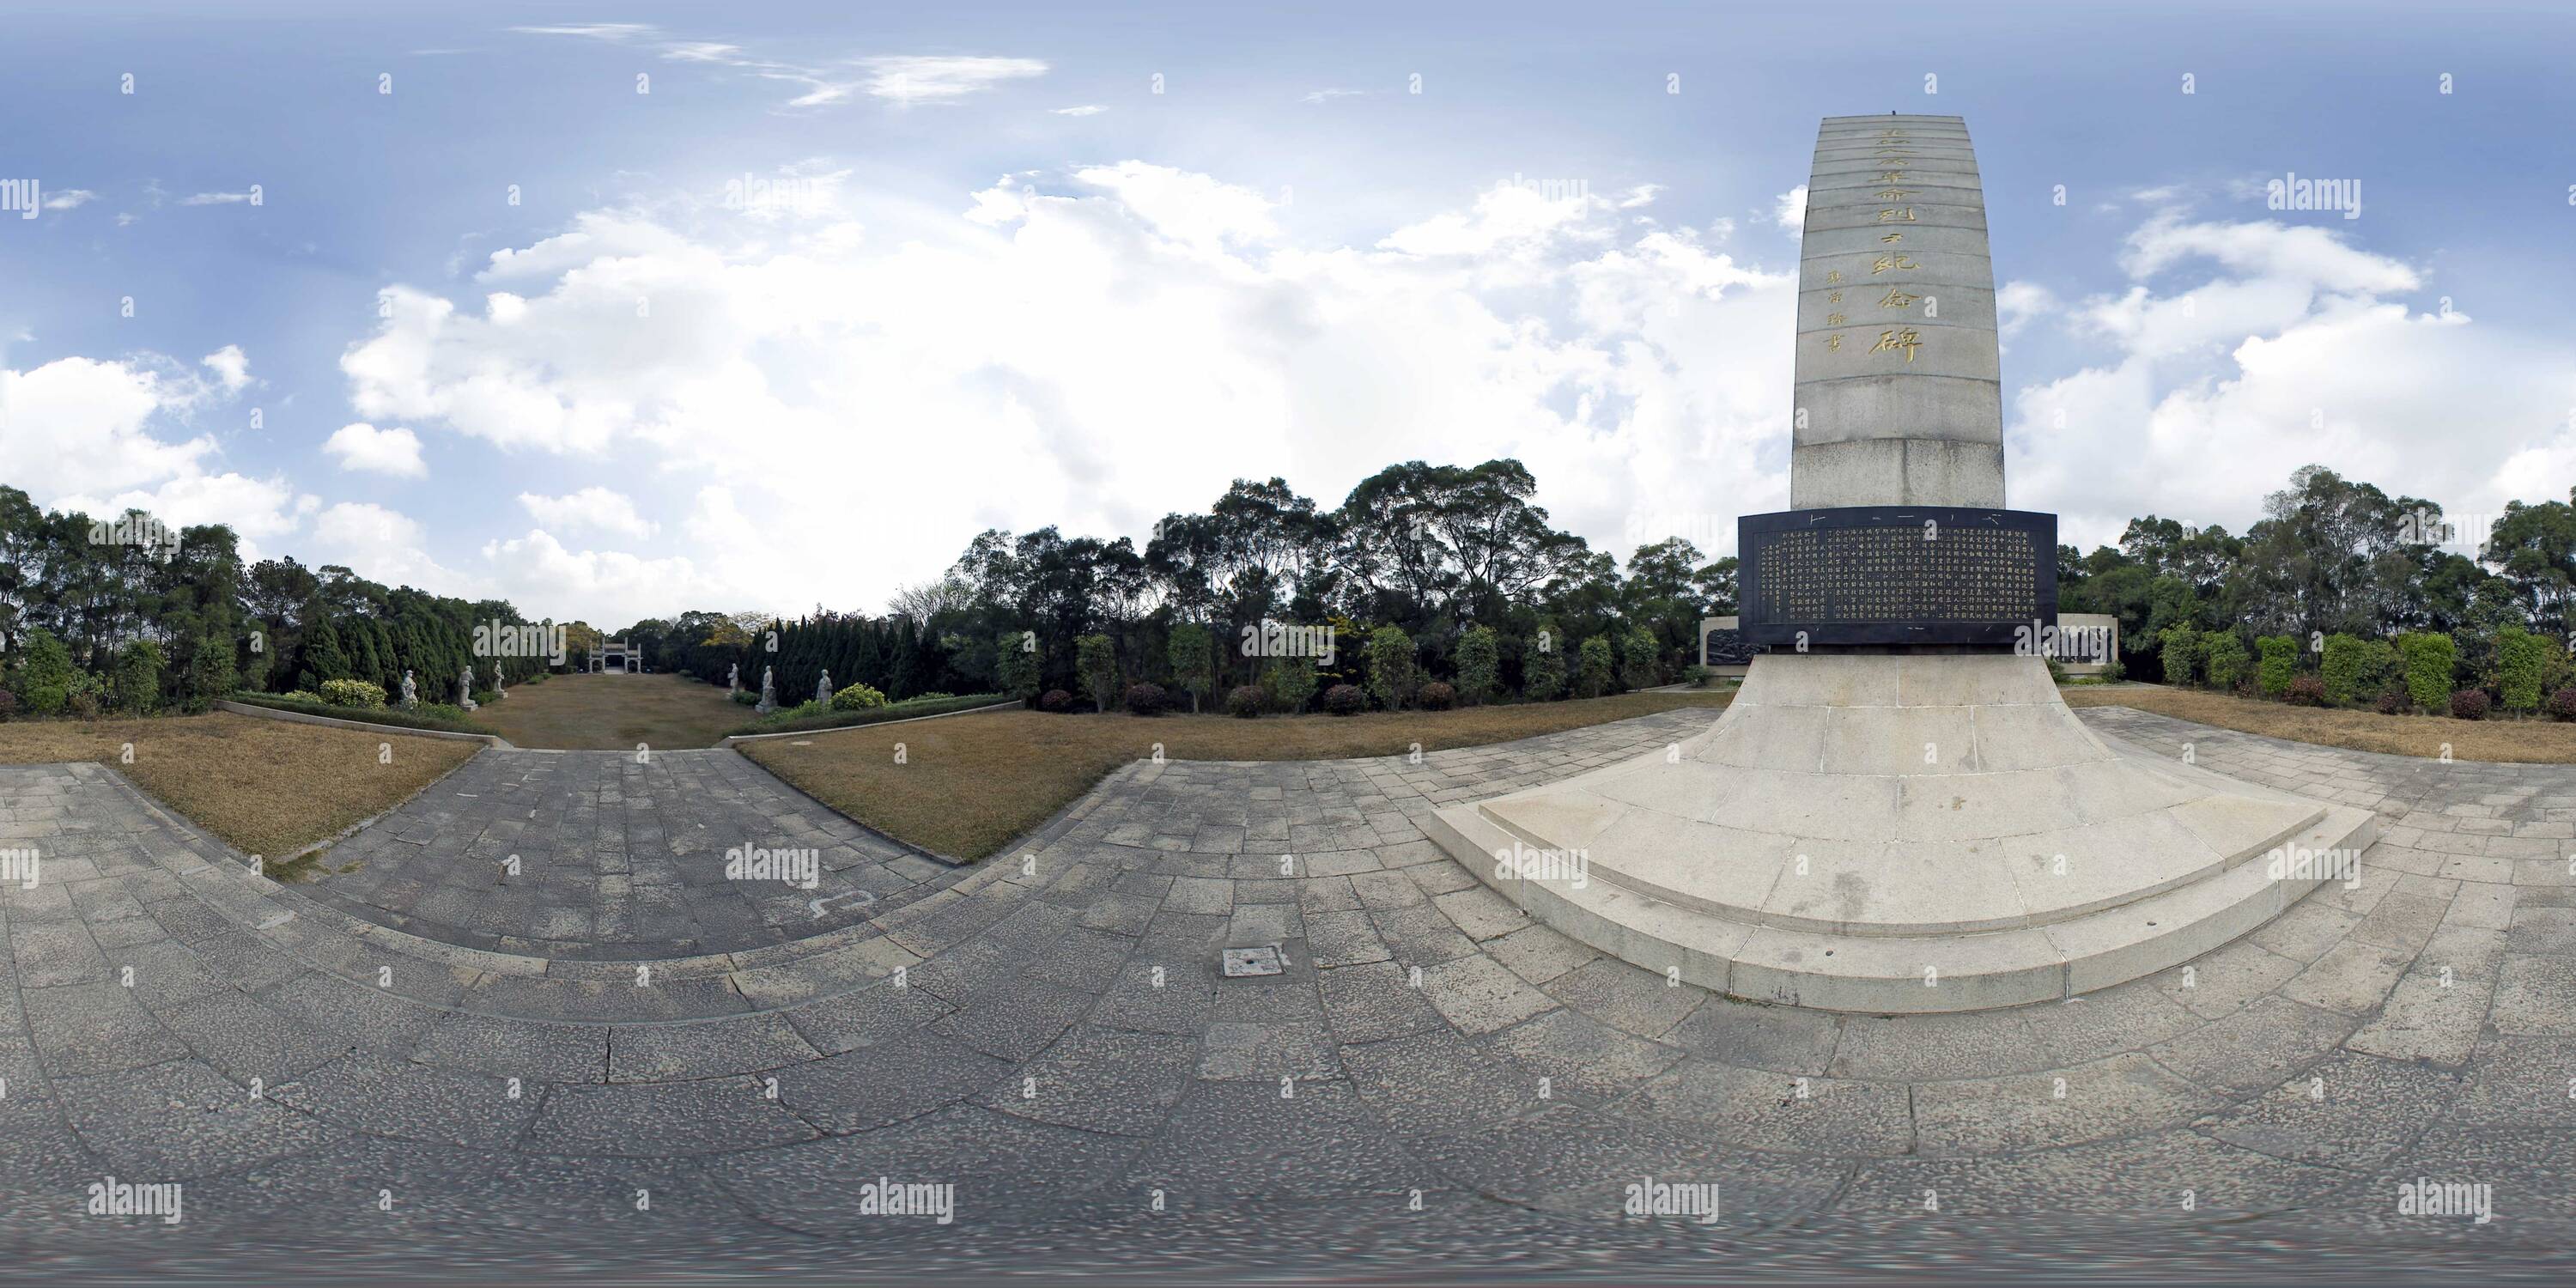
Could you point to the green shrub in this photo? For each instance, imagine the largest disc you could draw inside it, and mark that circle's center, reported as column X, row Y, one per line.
column 2345, row 665
column 1543, row 668
column 1345, row 700
column 2280, row 662
column 816, row 715
column 1697, row 676
column 1641, row 662
column 210, row 676
column 858, row 697
column 360, row 694
column 8, row 704
column 2429, row 660
column 138, row 677
column 1290, row 683
column 1095, row 659
column 45, row 678
column 2520, row 657
column 2056, row 670
column 428, row 715
column 2225, row 660
column 745, row 697
column 1245, row 701
column 1191, row 653
column 1592, row 667
column 1479, row 664
column 1391, row 672
column 2180, row 647
column 1015, row 664
column 308, row 696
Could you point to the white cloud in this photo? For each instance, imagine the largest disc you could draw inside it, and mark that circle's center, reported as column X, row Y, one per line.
column 1064, row 336
column 229, row 366
column 386, row 546
column 98, row 437
column 217, row 199
column 1085, row 109
column 378, row 451
column 919, row 78
column 1328, row 95
column 69, row 198
column 595, row 508
column 2275, row 348
column 1789, row 211
column 614, row 32
column 1641, row 195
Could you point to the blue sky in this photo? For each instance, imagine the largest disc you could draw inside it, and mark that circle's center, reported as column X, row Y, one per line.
column 987, row 276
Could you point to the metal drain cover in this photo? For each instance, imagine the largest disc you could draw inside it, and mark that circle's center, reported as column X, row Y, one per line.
column 1240, row 962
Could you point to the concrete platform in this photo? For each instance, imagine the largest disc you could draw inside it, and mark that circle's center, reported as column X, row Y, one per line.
column 1901, row 834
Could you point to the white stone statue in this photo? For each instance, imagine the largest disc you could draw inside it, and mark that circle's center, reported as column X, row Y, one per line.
column 768, row 693
column 465, row 689
column 823, row 689
column 411, row 692
column 733, row 679
column 500, row 690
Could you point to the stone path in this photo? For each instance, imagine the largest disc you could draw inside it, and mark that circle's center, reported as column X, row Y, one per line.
column 615, row 857
column 1433, row 1085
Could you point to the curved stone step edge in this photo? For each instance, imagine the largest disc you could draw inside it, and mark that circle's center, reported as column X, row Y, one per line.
column 1885, row 975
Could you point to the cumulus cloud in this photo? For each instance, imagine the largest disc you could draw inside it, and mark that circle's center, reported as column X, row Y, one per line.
column 2261, row 347
column 231, row 368
column 366, row 448
column 594, row 508
column 1063, row 334
column 1789, row 211
column 69, row 198
column 101, row 437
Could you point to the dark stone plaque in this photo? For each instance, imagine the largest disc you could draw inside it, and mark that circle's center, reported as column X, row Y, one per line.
column 1729, row 648
column 1911, row 574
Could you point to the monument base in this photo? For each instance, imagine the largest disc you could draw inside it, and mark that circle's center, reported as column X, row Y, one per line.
column 1903, row 833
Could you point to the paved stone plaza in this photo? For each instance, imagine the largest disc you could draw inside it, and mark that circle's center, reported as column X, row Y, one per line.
column 1062, row 1050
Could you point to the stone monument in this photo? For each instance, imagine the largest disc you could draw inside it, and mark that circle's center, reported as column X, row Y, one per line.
column 500, row 689
column 733, row 679
column 465, row 689
column 410, row 692
column 823, row 689
column 768, row 693
column 1898, row 813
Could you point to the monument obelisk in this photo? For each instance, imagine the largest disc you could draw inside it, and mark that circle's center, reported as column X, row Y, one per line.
column 1898, row 812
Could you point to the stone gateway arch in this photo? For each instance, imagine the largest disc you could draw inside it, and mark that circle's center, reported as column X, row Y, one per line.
column 1898, row 813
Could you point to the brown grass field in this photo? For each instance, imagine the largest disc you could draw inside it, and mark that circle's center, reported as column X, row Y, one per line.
column 2523, row 741
column 270, row 787
column 973, row 783
column 613, row 713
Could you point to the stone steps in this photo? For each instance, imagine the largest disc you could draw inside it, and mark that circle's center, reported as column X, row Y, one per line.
column 1887, row 974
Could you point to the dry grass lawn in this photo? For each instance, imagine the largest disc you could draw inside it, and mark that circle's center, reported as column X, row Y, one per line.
column 270, row 787
column 2542, row 742
column 607, row 712
column 973, row 783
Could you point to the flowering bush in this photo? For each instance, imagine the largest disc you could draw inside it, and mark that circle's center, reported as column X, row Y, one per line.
column 1345, row 700
column 857, row 697
column 1057, row 701
column 2562, row 705
column 1437, row 696
column 1146, row 699
column 354, row 693
column 2469, row 704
